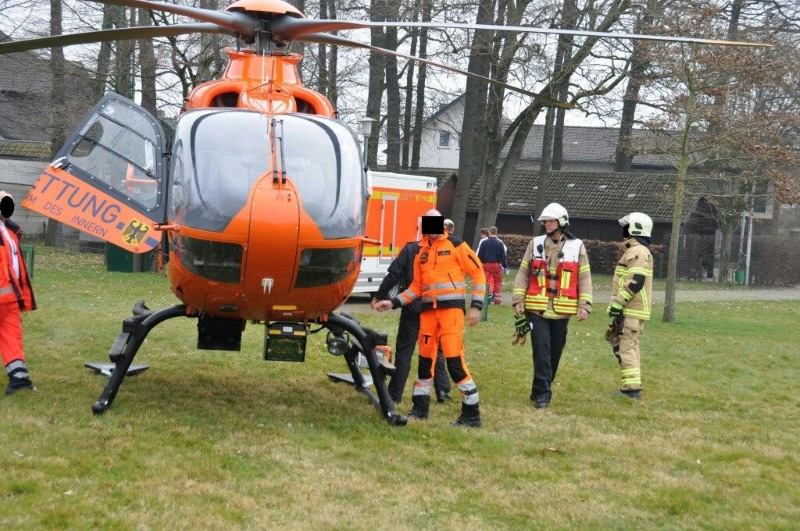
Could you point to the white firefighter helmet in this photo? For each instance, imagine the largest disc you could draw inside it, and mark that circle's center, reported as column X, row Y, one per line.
column 638, row 224
column 555, row 211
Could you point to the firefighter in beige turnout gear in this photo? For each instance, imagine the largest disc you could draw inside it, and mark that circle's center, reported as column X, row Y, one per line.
column 553, row 283
column 631, row 299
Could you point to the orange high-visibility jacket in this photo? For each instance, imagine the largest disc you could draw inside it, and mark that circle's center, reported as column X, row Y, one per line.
column 440, row 268
column 14, row 289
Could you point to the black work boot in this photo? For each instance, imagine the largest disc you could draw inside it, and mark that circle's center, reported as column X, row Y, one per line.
column 633, row 394
column 421, row 405
column 442, row 396
column 19, row 384
column 470, row 416
column 540, row 401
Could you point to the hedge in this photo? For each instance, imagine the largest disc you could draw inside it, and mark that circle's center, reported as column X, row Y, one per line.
column 603, row 255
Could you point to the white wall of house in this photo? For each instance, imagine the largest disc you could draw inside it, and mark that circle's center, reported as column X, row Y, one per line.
column 17, row 178
column 441, row 136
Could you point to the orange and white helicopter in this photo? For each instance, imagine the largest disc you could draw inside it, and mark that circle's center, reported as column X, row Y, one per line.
column 261, row 197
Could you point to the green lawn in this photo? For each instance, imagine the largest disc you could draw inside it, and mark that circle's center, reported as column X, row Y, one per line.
column 603, row 282
column 226, row 440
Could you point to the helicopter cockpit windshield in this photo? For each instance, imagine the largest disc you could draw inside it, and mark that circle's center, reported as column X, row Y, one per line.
column 217, row 157
column 323, row 160
column 219, row 154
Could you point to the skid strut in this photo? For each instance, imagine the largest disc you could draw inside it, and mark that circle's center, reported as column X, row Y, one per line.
column 124, row 349
column 136, row 328
column 365, row 342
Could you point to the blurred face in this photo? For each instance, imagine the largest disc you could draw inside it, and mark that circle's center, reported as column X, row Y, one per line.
column 6, row 205
column 551, row 225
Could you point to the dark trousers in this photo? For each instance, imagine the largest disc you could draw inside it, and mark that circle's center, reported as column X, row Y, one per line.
column 407, row 336
column 548, row 337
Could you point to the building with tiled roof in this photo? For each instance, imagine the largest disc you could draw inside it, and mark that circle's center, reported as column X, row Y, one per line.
column 594, row 201
column 585, row 148
column 25, row 87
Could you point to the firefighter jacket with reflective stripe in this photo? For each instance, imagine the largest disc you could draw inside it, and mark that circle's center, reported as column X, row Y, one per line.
column 13, row 289
column 439, row 276
column 554, row 278
column 632, row 286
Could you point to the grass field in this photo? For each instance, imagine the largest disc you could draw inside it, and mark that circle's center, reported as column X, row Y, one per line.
column 226, row 440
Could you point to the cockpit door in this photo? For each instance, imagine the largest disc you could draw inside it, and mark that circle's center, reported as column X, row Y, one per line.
column 109, row 179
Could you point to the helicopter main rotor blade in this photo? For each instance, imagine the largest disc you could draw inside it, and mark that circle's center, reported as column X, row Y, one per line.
column 289, row 28
column 242, row 23
column 121, row 34
column 322, row 38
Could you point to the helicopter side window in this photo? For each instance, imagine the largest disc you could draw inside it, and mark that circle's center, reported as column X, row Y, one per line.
column 114, row 153
column 323, row 160
column 221, row 154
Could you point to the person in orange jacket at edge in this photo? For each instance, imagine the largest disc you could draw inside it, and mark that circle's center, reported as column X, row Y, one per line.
column 16, row 296
column 439, row 281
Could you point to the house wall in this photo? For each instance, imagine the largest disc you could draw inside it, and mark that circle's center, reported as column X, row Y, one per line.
column 17, row 178
column 431, row 155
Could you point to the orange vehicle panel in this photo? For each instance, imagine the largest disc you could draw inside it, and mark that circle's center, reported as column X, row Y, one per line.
column 70, row 200
column 410, row 205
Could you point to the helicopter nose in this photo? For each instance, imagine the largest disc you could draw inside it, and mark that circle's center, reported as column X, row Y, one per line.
column 273, row 241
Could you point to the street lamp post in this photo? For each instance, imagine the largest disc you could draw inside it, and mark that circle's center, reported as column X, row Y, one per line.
column 366, row 130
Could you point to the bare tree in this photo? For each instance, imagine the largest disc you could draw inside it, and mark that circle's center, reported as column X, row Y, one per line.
column 737, row 142
column 495, row 177
column 469, row 160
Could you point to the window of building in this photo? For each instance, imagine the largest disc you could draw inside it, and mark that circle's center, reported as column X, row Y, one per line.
column 444, row 139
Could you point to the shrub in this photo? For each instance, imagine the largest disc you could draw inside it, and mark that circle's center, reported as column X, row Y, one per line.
column 603, row 255
column 774, row 261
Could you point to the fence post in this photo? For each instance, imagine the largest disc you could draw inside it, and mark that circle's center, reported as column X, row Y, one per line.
column 485, row 310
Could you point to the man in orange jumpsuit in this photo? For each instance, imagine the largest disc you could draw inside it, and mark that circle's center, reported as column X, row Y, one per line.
column 439, row 282
column 16, row 296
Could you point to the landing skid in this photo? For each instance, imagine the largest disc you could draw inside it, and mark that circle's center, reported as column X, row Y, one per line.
column 136, row 328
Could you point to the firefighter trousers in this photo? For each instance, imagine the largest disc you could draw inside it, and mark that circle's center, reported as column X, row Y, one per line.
column 626, row 347
column 407, row 336
column 444, row 327
column 548, row 337
column 11, row 335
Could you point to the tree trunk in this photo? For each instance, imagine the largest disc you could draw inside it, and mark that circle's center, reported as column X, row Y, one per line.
column 409, row 100
column 392, row 94
column 124, row 59
column 569, row 18
column 147, row 61
column 299, row 47
column 377, row 13
column 677, row 221
column 726, row 231
column 209, row 59
column 333, row 63
column 104, row 57
column 472, row 138
column 544, row 162
column 636, row 78
column 419, row 112
column 322, row 57
column 57, row 102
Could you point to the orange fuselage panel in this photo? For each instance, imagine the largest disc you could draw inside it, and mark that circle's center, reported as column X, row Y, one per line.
column 273, row 230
